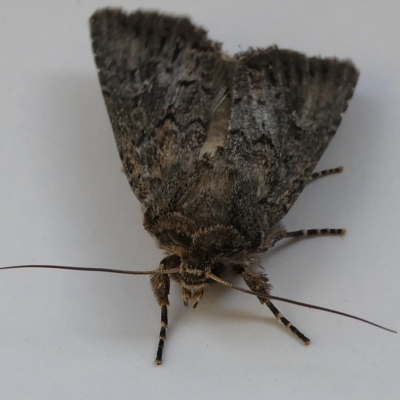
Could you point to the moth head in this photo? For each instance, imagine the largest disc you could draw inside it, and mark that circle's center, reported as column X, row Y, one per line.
column 197, row 247
column 192, row 273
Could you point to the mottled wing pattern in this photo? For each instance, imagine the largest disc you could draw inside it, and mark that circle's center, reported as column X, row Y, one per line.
column 286, row 108
column 159, row 76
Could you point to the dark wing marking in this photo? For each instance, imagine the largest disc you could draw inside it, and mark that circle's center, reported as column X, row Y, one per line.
column 286, row 108
column 159, row 76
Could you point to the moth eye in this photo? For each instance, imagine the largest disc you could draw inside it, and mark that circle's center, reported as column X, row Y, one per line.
column 173, row 261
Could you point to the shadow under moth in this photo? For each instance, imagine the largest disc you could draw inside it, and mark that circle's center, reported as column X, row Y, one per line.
column 216, row 148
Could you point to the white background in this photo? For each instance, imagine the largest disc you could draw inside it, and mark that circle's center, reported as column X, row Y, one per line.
column 64, row 200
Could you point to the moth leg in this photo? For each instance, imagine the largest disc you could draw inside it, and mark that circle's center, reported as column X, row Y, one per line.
column 285, row 322
column 160, row 284
column 163, row 329
column 318, row 232
column 314, row 232
column 325, row 172
column 259, row 283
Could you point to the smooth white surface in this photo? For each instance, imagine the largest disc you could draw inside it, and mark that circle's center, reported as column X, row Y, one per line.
column 64, row 200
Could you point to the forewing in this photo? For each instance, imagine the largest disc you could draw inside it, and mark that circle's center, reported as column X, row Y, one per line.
column 159, row 76
column 286, row 108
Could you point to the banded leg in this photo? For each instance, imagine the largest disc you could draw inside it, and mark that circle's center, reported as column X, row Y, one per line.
column 259, row 283
column 160, row 284
column 314, row 232
column 318, row 232
column 288, row 325
column 163, row 334
column 325, row 172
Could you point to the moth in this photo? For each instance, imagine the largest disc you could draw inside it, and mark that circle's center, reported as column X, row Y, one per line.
column 216, row 148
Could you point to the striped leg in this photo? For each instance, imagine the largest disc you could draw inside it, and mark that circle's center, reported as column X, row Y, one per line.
column 288, row 325
column 160, row 285
column 325, row 172
column 315, row 232
column 259, row 283
column 163, row 334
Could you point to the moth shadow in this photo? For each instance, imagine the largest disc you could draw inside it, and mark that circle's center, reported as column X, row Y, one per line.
column 101, row 218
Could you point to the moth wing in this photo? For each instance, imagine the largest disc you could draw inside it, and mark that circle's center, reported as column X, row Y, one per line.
column 160, row 78
column 285, row 110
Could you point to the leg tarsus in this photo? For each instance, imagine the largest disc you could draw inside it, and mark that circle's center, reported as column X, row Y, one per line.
column 163, row 334
column 259, row 283
column 325, row 172
column 314, row 232
column 288, row 325
column 160, row 284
